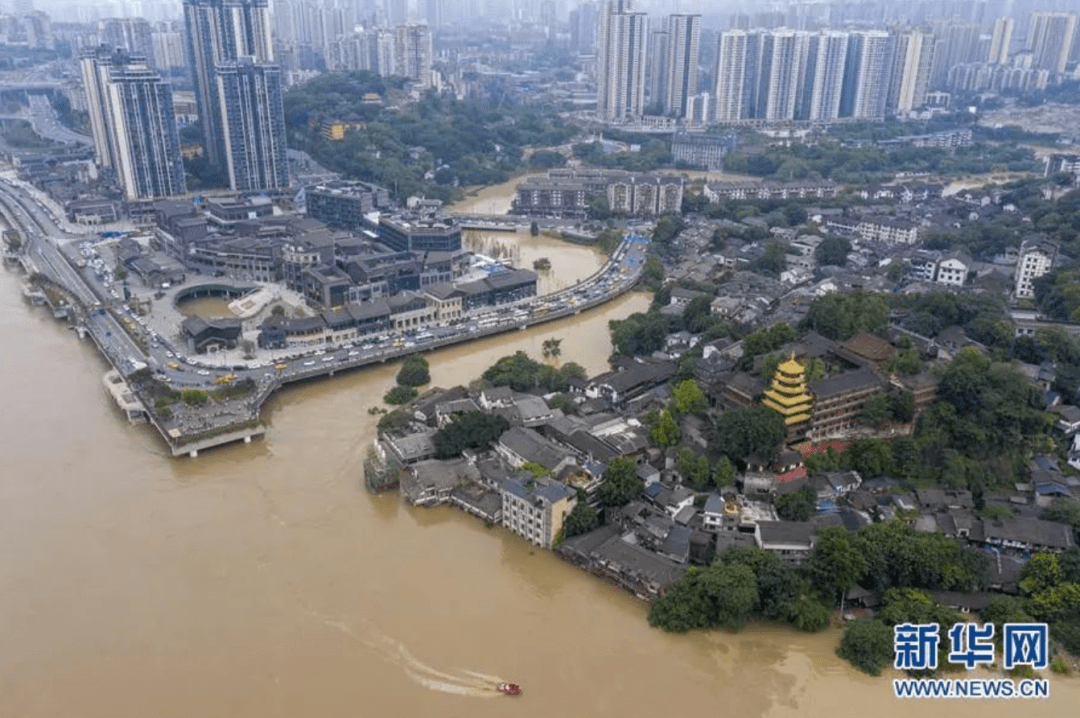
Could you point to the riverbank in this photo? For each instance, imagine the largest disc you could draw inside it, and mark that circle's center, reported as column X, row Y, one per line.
column 263, row 580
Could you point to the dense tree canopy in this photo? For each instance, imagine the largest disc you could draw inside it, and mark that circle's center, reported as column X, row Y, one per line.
column 621, row 484
column 639, row 334
column 521, row 373
column 581, row 520
column 868, row 644
column 753, row 431
column 833, row 250
column 798, row 505
column 475, row 430
column 469, row 142
column 414, row 371
column 842, row 316
column 743, row 582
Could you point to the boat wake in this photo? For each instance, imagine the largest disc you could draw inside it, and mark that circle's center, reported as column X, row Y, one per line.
column 461, row 682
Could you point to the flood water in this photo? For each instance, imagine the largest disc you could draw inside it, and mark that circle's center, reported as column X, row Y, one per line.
column 262, row 581
column 206, row 307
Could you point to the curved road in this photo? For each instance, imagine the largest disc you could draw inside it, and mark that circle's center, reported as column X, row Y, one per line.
column 130, row 345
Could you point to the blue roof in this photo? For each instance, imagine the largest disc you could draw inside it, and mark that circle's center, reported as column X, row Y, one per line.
column 1046, row 462
column 1052, row 488
column 524, row 486
column 653, row 490
column 714, row 504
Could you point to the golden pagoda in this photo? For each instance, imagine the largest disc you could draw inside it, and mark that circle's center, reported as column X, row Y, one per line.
column 788, row 394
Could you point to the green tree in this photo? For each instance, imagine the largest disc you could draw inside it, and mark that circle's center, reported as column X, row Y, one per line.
column 400, row 394
column 683, row 608
column 773, row 260
column 552, row 348
column 474, row 430
column 1056, row 603
column 836, row 563
column 1063, row 510
column 667, row 433
column 723, row 472
column 693, row 467
column 1070, row 564
column 867, row 644
column 798, row 505
column 414, row 371
column 833, row 250
column 639, row 334
column 1000, row 610
column 194, row 397
column 581, row 520
column 842, row 316
column 1040, row 573
column 753, row 431
column 688, row 398
column 778, row 585
column 652, row 274
column 537, row 470
column 730, row 593
column 621, row 484
column 877, row 410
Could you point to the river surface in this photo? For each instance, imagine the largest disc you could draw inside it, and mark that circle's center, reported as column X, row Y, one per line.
column 262, row 581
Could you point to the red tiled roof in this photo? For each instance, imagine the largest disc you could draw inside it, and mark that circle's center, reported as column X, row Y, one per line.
column 797, row 473
column 808, row 449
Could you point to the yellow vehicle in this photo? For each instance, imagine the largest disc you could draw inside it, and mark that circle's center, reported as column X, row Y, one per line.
column 227, row 379
column 281, row 367
column 399, row 343
column 173, row 365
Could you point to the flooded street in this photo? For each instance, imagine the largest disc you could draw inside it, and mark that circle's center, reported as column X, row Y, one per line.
column 262, row 581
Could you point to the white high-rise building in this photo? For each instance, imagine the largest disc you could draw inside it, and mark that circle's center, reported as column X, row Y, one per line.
column 784, row 60
column 999, row 41
column 168, row 51
column 869, row 67
column 825, row 75
column 731, row 78
column 1050, row 39
column 133, row 123
column 621, row 61
column 684, row 38
column 911, row 71
column 412, row 53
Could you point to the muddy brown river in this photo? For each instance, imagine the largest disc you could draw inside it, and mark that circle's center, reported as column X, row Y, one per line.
column 262, row 581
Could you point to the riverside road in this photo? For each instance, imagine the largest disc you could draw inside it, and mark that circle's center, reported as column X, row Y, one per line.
column 130, row 345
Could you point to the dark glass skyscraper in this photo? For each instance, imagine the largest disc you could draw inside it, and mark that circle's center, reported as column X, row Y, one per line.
column 249, row 95
column 232, row 37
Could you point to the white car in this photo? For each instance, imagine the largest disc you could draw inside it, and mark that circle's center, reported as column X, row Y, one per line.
column 328, row 358
column 203, row 372
column 354, row 353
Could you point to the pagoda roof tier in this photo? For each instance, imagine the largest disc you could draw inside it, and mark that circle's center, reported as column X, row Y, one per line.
column 789, row 401
column 791, row 368
column 796, row 385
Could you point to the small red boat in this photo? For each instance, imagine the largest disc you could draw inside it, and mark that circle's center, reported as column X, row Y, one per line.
column 510, row 689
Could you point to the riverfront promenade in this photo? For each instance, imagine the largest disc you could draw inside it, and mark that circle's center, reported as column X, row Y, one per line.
column 150, row 365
